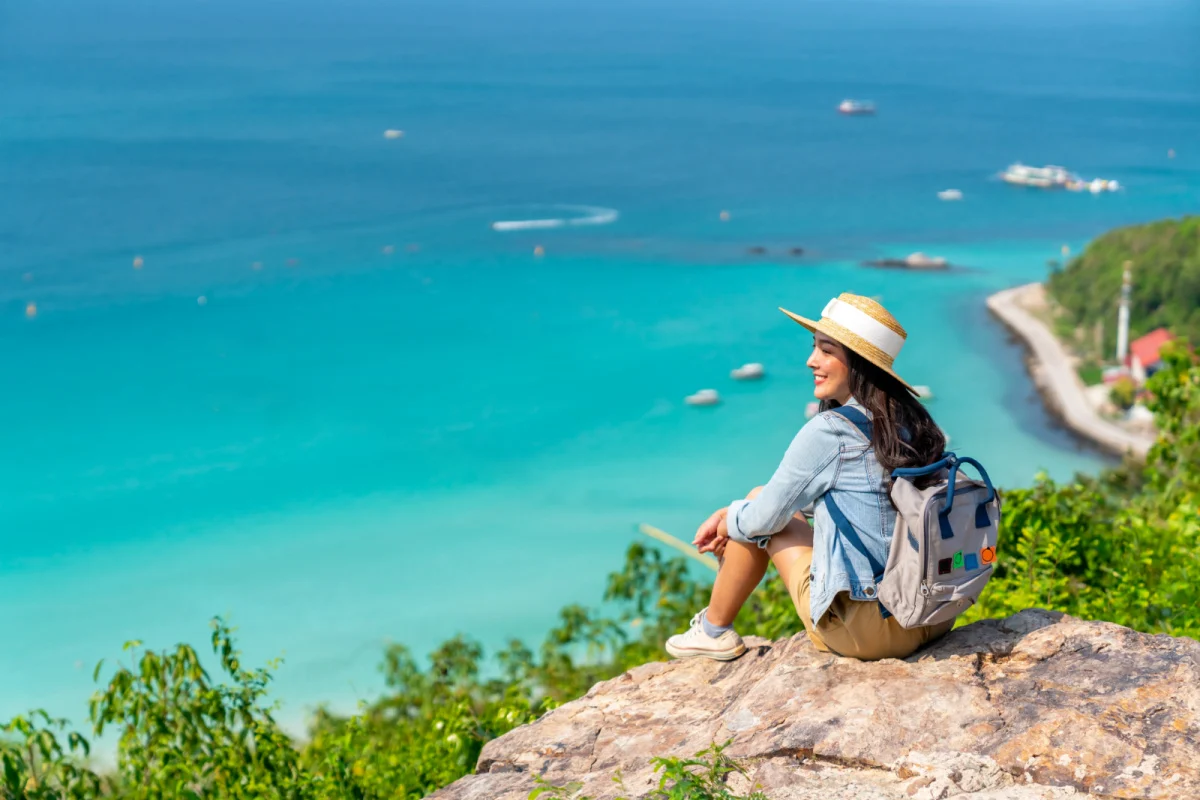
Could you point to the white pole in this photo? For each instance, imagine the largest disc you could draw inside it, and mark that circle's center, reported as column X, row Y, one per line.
column 1123, row 315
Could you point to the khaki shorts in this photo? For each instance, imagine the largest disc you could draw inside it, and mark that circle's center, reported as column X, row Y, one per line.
column 854, row 628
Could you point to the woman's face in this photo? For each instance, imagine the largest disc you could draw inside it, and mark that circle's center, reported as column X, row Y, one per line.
column 831, row 376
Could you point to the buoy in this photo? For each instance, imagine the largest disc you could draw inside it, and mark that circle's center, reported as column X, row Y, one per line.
column 201, row 300
column 748, row 372
column 388, row 249
column 137, row 262
column 31, row 310
column 724, row 216
column 539, row 251
column 393, row 133
column 704, row 397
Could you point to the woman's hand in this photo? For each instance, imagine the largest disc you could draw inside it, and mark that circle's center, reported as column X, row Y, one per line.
column 713, row 534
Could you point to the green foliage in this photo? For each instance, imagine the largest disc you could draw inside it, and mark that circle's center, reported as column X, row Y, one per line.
column 38, row 765
column 703, row 777
column 1124, row 546
column 1123, row 393
column 1090, row 373
column 1166, row 280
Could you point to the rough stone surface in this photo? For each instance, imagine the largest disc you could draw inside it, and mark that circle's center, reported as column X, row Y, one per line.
column 1038, row 705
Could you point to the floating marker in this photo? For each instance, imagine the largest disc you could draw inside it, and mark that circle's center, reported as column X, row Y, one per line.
column 539, row 251
column 137, row 262
column 31, row 310
column 724, row 216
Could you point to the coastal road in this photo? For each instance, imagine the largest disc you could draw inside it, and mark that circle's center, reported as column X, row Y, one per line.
column 1059, row 377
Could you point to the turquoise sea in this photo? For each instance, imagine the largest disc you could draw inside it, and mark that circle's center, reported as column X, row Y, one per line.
column 403, row 424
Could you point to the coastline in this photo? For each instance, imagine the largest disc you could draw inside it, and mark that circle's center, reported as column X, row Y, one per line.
column 1053, row 374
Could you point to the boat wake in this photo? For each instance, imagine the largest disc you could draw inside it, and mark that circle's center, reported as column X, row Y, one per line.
column 589, row 215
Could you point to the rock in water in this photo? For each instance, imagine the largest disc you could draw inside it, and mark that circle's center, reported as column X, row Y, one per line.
column 1038, row 705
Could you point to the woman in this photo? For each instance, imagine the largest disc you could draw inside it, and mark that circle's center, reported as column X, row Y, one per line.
column 830, row 575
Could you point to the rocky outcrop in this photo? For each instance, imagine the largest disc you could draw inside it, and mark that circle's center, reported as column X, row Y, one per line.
column 1038, row 705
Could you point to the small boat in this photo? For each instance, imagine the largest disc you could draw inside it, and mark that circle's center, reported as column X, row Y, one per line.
column 950, row 194
column 911, row 261
column 748, row 372
column 704, row 397
column 856, row 107
column 811, row 409
column 393, row 133
column 1047, row 177
column 923, row 392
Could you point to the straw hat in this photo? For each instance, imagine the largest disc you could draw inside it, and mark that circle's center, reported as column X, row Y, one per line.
column 860, row 324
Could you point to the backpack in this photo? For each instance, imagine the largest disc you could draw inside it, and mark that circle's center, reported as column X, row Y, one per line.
column 944, row 544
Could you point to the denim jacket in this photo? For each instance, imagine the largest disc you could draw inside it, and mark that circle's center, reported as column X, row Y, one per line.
column 828, row 455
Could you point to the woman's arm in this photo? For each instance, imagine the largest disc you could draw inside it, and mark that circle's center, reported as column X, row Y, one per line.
column 805, row 473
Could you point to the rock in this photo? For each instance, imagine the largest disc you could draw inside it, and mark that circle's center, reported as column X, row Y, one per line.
column 1035, row 706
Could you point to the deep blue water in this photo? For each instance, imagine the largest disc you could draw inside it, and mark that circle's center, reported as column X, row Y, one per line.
column 348, row 444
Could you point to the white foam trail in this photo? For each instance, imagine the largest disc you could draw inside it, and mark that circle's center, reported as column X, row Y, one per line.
column 592, row 215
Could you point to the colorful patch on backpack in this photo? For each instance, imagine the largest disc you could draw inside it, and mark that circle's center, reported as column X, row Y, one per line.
column 958, row 560
column 987, row 555
column 944, row 566
column 971, row 561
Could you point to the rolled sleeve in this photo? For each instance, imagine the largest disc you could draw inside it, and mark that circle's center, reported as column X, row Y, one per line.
column 805, row 473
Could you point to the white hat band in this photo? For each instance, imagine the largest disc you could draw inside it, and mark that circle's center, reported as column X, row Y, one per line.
column 860, row 322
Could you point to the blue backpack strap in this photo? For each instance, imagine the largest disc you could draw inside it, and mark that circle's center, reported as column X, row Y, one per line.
column 859, row 420
column 851, row 535
column 856, row 418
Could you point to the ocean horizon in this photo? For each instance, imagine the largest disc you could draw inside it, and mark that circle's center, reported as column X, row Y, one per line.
column 266, row 362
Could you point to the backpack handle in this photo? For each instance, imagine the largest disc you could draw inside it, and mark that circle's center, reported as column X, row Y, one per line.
column 952, row 462
column 982, row 520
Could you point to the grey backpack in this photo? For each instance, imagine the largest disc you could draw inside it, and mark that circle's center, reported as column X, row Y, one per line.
column 944, row 545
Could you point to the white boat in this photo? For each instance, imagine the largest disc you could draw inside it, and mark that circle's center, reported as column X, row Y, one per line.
column 856, row 107
column 922, row 261
column 393, row 133
column 704, row 397
column 1048, row 177
column 950, row 194
column 748, row 372
column 923, row 392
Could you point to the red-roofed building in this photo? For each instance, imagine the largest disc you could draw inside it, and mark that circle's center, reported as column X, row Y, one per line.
column 1144, row 359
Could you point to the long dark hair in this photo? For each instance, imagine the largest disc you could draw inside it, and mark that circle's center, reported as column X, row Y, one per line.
column 902, row 432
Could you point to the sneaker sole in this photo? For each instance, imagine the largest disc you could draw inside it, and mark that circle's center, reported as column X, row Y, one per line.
column 716, row 655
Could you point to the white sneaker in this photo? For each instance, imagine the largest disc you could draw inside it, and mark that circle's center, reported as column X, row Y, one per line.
column 695, row 643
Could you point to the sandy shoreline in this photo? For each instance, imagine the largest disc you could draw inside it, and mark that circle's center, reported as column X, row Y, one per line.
column 1053, row 373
